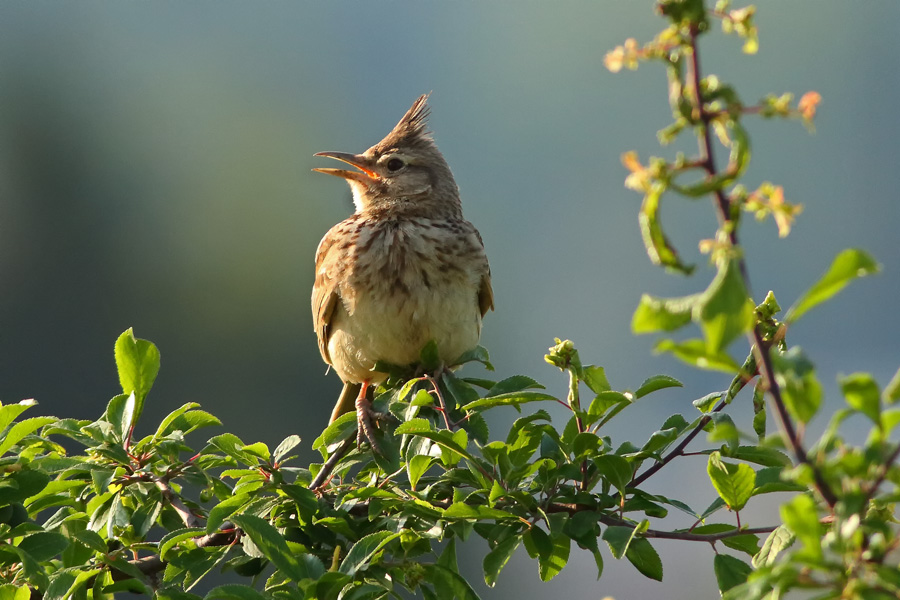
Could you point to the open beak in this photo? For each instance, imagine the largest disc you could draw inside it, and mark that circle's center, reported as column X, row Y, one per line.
column 364, row 175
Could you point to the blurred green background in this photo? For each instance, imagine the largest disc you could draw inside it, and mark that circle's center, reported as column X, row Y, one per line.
column 155, row 172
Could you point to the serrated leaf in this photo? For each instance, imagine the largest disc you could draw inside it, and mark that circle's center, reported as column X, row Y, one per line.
column 892, row 389
column 10, row 412
column 645, row 559
column 478, row 354
column 724, row 311
column 862, row 394
column 847, row 265
column 284, row 448
column 361, row 553
column 595, row 378
column 730, row 571
column 801, row 516
column 138, row 364
column 662, row 314
column 496, row 559
column 512, row 399
column 657, row 382
column 224, row 509
column 173, row 538
column 448, row 580
column 615, row 469
column 748, row 544
column 414, row 426
column 273, row 546
column 461, row 510
column 777, row 541
column 516, row 383
column 22, row 429
column 44, row 545
column 695, row 352
column 733, row 482
column 234, row 591
column 767, row 457
column 417, row 466
column 13, row 592
column 659, row 249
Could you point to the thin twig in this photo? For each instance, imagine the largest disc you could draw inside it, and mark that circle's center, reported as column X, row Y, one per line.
column 327, row 469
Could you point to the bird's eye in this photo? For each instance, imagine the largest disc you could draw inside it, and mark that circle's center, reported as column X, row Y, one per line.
column 395, row 164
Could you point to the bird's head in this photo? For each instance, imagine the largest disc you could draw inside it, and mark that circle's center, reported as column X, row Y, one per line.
column 403, row 170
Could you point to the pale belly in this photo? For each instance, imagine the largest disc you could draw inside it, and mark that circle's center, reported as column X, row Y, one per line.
column 396, row 329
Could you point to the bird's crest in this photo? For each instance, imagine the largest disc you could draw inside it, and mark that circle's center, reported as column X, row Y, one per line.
column 412, row 128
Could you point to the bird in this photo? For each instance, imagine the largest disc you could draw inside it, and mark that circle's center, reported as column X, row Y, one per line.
column 403, row 270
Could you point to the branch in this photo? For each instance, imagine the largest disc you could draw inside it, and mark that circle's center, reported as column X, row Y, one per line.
column 760, row 347
column 748, row 371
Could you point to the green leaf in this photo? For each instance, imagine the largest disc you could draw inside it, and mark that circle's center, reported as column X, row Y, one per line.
column 138, row 364
column 461, row 510
column 761, row 455
column 618, row 538
column 10, row 412
column 549, row 567
column 659, row 250
column 657, row 382
column 429, row 357
column 707, row 402
column 662, row 314
column 173, row 538
column 730, row 571
column 695, row 352
column 185, row 419
column 847, row 266
column 748, row 544
column 362, row 552
column 512, row 399
column 234, row 591
column 777, row 541
column 862, row 394
column 284, row 448
column 643, row 556
column 43, row 546
column 796, row 376
column 21, row 429
column 724, row 311
column 477, row 354
column 224, row 509
column 232, row 445
column 496, row 559
column 273, row 546
column 733, row 482
column 595, row 378
column 448, row 580
column 13, row 592
column 615, row 469
column 892, row 390
column 516, row 383
column 417, row 466
column 801, row 516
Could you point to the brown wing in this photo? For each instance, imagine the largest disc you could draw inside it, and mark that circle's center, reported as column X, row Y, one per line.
column 485, row 292
column 325, row 293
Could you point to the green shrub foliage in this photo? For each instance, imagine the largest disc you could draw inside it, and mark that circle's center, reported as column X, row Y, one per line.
column 157, row 515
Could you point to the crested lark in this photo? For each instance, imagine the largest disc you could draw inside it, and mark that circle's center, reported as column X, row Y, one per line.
column 404, row 269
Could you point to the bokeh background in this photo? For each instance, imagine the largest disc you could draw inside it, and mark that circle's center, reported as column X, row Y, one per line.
column 155, row 172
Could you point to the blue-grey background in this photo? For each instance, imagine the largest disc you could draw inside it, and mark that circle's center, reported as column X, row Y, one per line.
column 155, row 172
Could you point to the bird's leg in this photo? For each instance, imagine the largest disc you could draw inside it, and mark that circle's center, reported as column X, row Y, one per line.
column 364, row 416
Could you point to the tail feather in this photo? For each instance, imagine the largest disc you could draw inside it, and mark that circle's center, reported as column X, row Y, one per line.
column 346, row 401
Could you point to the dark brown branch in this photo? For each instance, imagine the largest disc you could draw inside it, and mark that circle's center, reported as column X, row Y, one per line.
column 328, row 468
column 760, row 346
column 737, row 384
